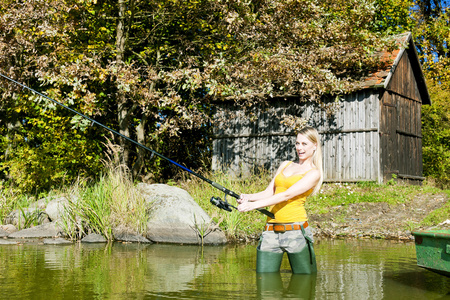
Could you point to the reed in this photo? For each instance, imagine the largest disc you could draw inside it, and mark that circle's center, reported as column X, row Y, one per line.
column 7, row 202
column 113, row 201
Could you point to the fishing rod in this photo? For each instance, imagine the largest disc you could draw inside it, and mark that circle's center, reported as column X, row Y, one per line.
column 222, row 204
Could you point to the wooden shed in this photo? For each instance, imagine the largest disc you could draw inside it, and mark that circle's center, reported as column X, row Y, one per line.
column 374, row 136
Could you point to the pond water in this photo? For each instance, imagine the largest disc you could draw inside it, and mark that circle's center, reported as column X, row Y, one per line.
column 348, row 269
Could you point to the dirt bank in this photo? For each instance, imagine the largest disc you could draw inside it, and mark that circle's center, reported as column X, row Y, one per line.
column 377, row 220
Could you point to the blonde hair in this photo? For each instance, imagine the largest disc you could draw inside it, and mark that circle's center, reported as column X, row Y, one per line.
column 313, row 135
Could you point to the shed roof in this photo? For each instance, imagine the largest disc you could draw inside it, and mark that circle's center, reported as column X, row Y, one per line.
column 382, row 77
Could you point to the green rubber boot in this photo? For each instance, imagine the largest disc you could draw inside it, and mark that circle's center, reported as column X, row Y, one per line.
column 268, row 261
column 303, row 262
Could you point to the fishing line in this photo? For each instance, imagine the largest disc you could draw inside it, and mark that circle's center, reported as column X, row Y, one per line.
column 222, row 204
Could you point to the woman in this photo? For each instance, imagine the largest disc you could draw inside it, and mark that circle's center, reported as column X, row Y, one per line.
column 286, row 195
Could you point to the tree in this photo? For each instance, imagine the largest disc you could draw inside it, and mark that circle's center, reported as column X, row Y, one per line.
column 436, row 135
column 432, row 36
column 153, row 69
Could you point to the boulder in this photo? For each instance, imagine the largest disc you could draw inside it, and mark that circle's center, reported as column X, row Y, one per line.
column 94, row 238
column 40, row 204
column 3, row 233
column 47, row 230
column 6, row 230
column 26, row 217
column 8, row 242
column 56, row 241
column 55, row 208
column 123, row 234
column 176, row 218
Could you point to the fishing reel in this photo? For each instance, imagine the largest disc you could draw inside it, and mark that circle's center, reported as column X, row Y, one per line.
column 221, row 203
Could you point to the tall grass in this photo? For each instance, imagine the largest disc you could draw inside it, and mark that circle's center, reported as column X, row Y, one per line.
column 10, row 200
column 7, row 203
column 112, row 202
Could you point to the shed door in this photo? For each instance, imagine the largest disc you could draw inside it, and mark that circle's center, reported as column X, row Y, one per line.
column 401, row 140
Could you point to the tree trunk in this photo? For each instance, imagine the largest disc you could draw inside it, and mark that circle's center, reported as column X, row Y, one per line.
column 122, row 105
column 140, row 135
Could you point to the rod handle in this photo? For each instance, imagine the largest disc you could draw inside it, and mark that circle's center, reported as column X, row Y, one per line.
column 233, row 194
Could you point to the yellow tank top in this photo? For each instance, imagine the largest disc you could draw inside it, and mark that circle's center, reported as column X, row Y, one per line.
column 292, row 210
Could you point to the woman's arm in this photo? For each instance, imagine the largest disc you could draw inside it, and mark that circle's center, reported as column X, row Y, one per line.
column 266, row 193
column 308, row 182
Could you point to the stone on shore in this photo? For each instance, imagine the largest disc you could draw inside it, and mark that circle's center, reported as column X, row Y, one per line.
column 94, row 238
column 47, row 230
column 176, row 218
column 8, row 242
column 123, row 234
column 56, row 241
column 3, row 233
column 9, row 228
column 55, row 208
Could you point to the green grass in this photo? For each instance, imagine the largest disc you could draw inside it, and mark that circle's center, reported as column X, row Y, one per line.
column 439, row 215
column 111, row 202
column 10, row 200
column 346, row 193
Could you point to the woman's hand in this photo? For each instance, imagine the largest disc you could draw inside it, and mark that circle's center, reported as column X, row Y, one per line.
column 243, row 198
column 246, row 206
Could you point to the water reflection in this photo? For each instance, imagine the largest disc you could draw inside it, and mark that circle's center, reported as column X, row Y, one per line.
column 365, row 269
column 271, row 286
column 172, row 268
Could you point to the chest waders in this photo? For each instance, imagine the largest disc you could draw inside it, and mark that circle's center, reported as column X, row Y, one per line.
column 303, row 262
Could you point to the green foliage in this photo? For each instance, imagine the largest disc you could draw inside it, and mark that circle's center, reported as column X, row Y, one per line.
column 152, row 69
column 47, row 151
column 436, row 135
column 393, row 16
column 30, row 217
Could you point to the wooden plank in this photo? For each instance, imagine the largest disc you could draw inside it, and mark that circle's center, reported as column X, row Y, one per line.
column 352, row 145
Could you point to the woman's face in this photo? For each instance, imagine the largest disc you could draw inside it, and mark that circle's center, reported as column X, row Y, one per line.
column 304, row 147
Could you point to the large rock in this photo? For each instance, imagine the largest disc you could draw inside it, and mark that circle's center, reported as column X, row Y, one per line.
column 55, row 208
column 47, row 230
column 124, row 234
column 7, row 229
column 28, row 216
column 3, row 233
column 56, row 241
column 40, row 212
column 176, row 218
column 94, row 238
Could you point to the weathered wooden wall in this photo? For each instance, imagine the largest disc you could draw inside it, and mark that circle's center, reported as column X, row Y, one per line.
column 241, row 145
column 400, row 128
column 350, row 139
column 351, row 145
